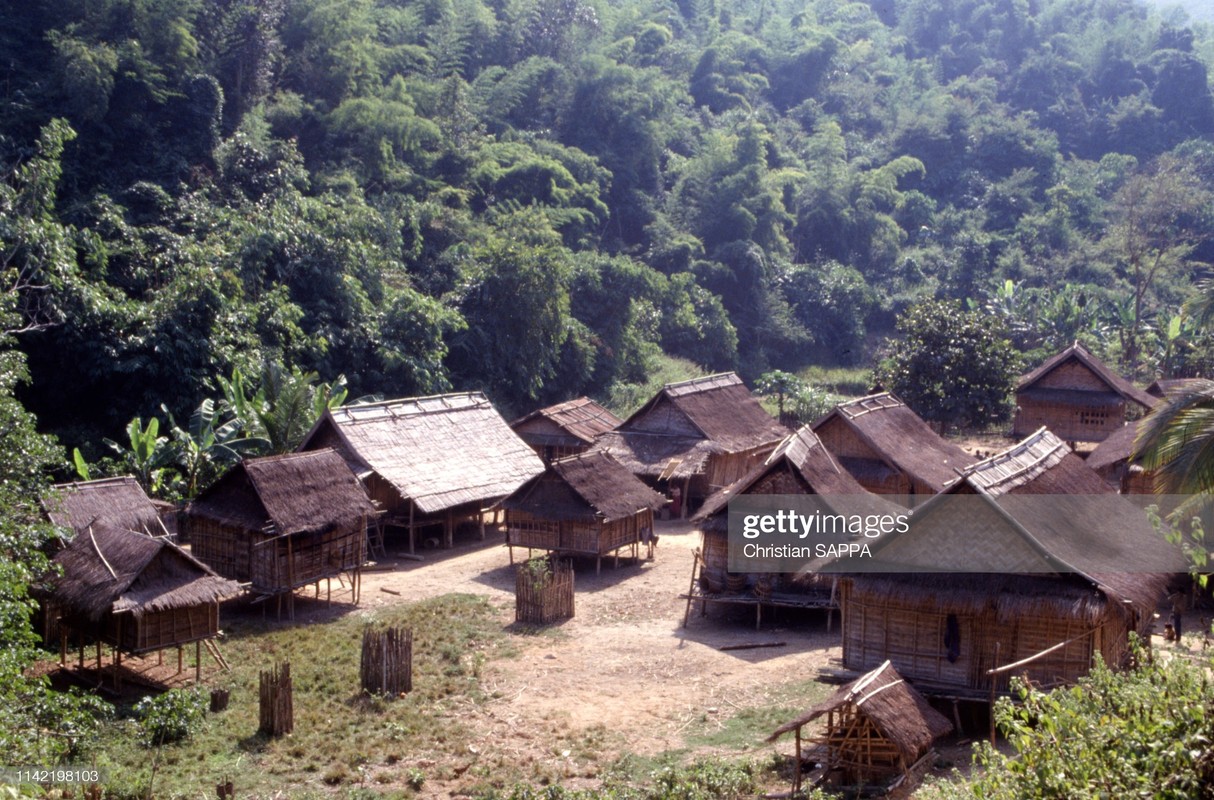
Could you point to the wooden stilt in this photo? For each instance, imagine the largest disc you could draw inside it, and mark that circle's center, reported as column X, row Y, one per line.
column 180, row 661
column 62, row 645
column 411, row 530
column 796, row 772
column 198, row 661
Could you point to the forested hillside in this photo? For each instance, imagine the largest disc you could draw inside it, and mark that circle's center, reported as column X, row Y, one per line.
column 540, row 198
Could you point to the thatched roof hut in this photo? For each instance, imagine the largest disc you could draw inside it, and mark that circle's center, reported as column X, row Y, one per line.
column 564, row 429
column 800, row 465
column 696, row 436
column 282, row 522
column 586, row 504
column 878, row 731
column 889, row 449
column 1076, row 396
column 1031, row 557
column 110, row 503
column 429, row 460
column 135, row 592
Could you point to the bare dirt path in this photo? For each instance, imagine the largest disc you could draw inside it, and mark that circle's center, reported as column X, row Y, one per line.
column 623, row 675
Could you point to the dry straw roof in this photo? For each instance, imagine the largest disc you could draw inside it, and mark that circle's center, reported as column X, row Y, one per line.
column 889, row 427
column 439, row 452
column 108, row 503
column 309, row 492
column 589, row 485
column 1042, row 510
column 581, row 419
column 109, row 569
column 805, row 456
column 1118, row 446
column 1077, row 352
column 900, row 713
column 675, row 433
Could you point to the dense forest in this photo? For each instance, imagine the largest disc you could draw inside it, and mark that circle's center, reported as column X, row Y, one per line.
column 546, row 198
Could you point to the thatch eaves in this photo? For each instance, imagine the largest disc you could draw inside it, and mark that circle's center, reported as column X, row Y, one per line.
column 907, row 443
column 901, row 714
column 657, row 455
column 309, row 492
column 1116, row 384
column 585, row 486
column 1117, row 447
column 114, row 570
column 570, row 423
column 439, row 452
column 117, row 503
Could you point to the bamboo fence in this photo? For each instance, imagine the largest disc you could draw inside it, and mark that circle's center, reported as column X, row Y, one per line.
column 387, row 661
column 276, row 708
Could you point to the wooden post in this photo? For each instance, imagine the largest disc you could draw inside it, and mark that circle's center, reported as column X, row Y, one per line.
column 796, row 774
column 411, row 531
column 276, row 712
column 994, row 678
column 198, row 661
column 62, row 645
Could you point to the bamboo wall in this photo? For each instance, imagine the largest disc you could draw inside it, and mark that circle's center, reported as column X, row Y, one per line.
column 910, row 632
column 1080, row 423
column 594, row 538
column 276, row 563
column 542, row 599
column 153, row 630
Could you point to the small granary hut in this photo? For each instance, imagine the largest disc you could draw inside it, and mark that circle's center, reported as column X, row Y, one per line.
column 117, row 503
column 878, row 736
column 1030, row 559
column 429, row 461
column 135, row 592
column 585, row 505
column 799, row 465
column 889, row 449
column 1077, row 397
column 694, row 437
column 565, row 429
column 282, row 522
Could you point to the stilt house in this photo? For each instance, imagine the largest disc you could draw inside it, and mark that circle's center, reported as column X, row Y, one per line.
column 889, row 449
column 1077, row 397
column 1030, row 559
column 695, row 437
column 429, row 461
column 799, row 465
column 564, row 429
column 878, row 737
column 585, row 504
column 135, row 592
column 282, row 522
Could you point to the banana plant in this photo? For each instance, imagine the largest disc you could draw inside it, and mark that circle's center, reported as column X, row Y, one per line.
column 209, row 445
column 148, row 455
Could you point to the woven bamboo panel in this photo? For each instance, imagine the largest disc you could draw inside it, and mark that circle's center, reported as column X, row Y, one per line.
column 541, row 599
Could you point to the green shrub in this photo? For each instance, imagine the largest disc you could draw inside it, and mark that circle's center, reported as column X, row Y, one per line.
column 1146, row 732
column 170, row 717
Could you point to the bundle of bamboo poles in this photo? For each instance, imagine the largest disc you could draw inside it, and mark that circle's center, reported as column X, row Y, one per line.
column 387, row 661
column 276, row 709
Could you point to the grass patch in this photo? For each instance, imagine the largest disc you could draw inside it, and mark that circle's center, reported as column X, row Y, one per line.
column 849, row 382
column 341, row 738
column 745, row 730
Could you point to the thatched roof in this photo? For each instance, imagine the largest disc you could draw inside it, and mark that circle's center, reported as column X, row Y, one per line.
column 310, row 492
column 1039, row 509
column 805, row 458
column 439, row 452
column 1117, row 385
column 115, row 570
column 118, row 503
column 1117, row 447
column 673, row 434
column 901, row 437
column 588, row 485
column 901, row 714
column 1163, row 387
column 569, row 424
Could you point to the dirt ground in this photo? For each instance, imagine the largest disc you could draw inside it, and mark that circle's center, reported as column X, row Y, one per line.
column 623, row 672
